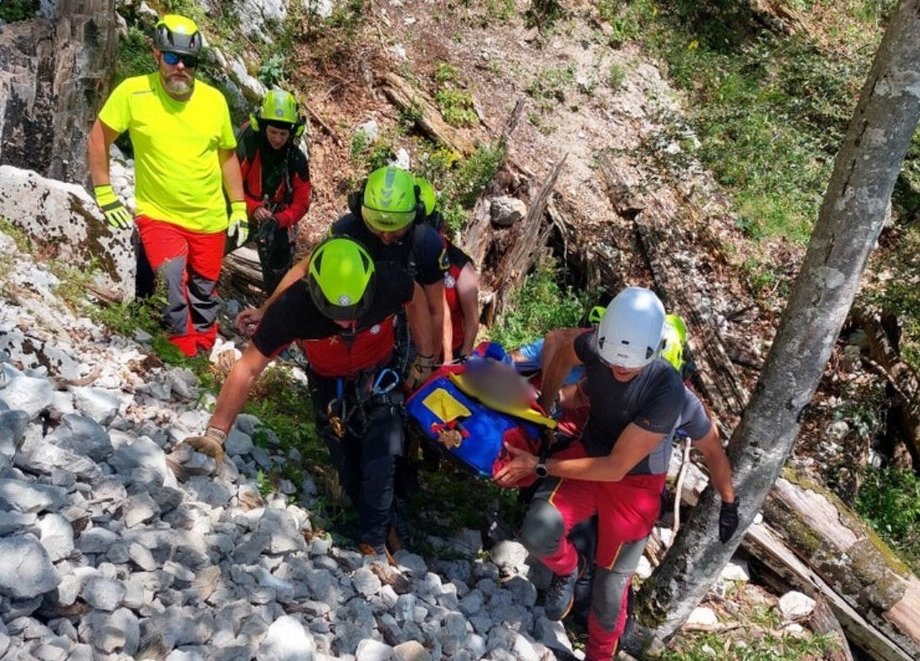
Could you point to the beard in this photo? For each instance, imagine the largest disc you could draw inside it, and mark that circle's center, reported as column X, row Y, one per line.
column 179, row 86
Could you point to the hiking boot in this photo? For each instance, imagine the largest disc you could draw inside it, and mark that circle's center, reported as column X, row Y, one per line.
column 560, row 595
column 381, row 550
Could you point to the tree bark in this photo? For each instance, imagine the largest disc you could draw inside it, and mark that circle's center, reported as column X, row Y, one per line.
column 53, row 78
column 849, row 222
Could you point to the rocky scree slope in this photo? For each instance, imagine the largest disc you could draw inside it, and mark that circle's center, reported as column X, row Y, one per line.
column 105, row 554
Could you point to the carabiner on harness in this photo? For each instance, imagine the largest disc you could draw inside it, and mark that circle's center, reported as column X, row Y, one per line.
column 385, row 382
column 335, row 411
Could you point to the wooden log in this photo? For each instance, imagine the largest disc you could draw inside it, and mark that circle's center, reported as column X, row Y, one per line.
column 864, row 627
column 720, row 383
column 884, row 359
column 530, row 235
column 428, row 117
column 823, row 621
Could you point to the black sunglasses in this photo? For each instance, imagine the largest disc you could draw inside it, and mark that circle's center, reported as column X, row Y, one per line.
column 172, row 59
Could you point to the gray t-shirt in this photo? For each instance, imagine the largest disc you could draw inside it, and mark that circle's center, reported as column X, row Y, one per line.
column 692, row 423
column 652, row 400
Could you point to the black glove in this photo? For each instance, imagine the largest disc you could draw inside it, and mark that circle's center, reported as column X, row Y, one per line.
column 266, row 232
column 728, row 520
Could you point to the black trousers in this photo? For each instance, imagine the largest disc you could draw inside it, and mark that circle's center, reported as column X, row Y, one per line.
column 366, row 456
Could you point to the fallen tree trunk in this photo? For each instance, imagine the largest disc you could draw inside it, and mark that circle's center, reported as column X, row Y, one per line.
column 869, row 628
column 720, row 383
column 416, row 103
column 528, row 238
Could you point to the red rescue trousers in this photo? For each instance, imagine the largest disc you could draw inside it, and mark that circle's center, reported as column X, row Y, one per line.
column 188, row 264
column 626, row 512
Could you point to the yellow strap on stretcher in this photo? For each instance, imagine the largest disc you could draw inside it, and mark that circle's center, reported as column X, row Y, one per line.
column 522, row 412
column 445, row 406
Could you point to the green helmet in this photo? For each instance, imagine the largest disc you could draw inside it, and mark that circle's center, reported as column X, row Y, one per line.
column 341, row 278
column 177, row 34
column 279, row 107
column 427, row 195
column 595, row 314
column 674, row 339
column 389, row 202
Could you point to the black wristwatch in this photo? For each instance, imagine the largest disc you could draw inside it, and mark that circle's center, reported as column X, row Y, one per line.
column 541, row 470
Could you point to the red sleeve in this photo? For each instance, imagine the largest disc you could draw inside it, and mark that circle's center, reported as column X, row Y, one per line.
column 250, row 169
column 299, row 204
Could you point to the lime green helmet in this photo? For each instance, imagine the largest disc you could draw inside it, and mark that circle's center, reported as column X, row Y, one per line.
column 389, row 202
column 279, row 106
column 674, row 341
column 177, row 34
column 595, row 314
column 426, row 195
column 341, row 278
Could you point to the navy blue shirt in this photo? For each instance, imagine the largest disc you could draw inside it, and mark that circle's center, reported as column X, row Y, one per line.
column 421, row 246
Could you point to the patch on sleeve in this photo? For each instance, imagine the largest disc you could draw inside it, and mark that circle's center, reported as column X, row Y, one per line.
column 443, row 262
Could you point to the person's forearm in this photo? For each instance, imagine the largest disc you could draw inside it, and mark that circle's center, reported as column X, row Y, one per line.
column 720, row 470
column 98, row 155
column 232, row 397
column 419, row 320
column 434, row 298
column 557, row 359
column 232, row 178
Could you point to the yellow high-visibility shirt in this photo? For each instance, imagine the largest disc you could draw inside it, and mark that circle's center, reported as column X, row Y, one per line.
column 177, row 169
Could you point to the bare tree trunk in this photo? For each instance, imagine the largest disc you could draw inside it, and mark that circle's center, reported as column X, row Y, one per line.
column 53, row 78
column 848, row 226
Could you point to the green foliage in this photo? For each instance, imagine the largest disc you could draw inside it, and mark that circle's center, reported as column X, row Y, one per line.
column 456, row 106
column 500, row 10
column 615, row 76
column 540, row 306
column 127, row 317
column 263, row 483
column 755, row 645
column 460, row 181
column 281, row 403
column 134, row 55
column 551, row 84
column 763, row 106
column 889, row 499
column 18, row 10
column 20, row 238
column 346, row 17
column 272, row 70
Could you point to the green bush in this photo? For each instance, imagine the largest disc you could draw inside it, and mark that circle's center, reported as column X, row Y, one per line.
column 134, row 55
column 889, row 499
column 18, row 10
column 538, row 307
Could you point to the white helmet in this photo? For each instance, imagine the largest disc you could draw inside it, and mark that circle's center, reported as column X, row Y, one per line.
column 629, row 334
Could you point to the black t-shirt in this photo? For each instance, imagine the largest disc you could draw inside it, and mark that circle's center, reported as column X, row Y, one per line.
column 294, row 315
column 421, row 245
column 456, row 257
column 652, row 400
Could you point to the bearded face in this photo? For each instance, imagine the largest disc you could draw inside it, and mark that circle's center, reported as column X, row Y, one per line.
column 178, row 79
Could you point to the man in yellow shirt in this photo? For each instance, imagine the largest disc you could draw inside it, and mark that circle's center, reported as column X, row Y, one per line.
column 184, row 161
